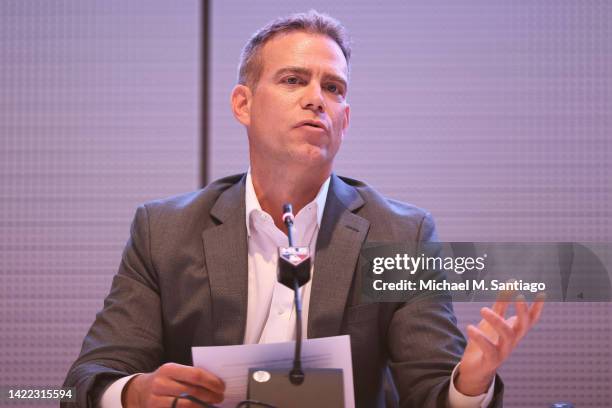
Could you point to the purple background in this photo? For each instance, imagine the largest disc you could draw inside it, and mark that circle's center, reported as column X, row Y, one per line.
column 99, row 112
column 496, row 116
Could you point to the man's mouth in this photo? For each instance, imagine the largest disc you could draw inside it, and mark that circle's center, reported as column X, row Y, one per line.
column 312, row 124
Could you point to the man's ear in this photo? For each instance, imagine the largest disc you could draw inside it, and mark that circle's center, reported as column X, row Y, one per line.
column 347, row 118
column 241, row 104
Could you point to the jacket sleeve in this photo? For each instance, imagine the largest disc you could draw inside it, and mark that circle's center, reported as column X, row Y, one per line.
column 425, row 344
column 126, row 336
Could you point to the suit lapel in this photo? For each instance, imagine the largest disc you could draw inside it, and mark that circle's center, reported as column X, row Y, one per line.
column 338, row 245
column 226, row 252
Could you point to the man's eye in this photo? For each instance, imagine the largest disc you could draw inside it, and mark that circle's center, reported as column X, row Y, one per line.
column 333, row 88
column 292, row 80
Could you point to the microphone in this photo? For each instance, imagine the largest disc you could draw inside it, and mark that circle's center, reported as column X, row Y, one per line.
column 288, row 220
column 322, row 386
column 294, row 262
column 294, row 272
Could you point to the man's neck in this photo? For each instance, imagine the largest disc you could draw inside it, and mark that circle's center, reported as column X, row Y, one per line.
column 275, row 188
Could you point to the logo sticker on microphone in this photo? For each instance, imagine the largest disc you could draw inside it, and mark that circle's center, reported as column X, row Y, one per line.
column 294, row 255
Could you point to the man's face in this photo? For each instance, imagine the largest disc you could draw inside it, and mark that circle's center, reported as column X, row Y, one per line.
column 298, row 112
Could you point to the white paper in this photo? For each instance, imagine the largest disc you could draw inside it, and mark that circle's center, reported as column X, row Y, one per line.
column 232, row 363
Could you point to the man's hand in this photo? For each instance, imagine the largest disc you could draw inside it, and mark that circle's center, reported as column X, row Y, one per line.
column 159, row 388
column 491, row 343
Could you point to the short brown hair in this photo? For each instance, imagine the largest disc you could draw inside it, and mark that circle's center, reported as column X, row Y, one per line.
column 249, row 69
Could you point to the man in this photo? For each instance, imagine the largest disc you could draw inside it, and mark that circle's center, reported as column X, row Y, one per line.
column 199, row 269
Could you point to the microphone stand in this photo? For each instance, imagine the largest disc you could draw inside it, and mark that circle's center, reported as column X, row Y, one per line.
column 296, row 375
column 323, row 386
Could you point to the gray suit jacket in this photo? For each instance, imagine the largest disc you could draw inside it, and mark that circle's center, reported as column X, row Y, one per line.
column 182, row 282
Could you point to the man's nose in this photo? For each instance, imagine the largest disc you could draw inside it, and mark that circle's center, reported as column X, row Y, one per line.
column 313, row 98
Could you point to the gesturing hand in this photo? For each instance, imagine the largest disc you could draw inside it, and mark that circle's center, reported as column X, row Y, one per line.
column 159, row 388
column 490, row 344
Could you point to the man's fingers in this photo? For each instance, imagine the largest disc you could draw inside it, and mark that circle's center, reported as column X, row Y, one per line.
column 489, row 350
column 200, row 393
column 500, row 307
column 166, row 402
column 523, row 321
column 194, row 376
column 536, row 309
column 505, row 333
column 166, row 386
column 503, row 300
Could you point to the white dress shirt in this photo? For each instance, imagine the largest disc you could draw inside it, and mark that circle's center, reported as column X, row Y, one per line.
column 270, row 310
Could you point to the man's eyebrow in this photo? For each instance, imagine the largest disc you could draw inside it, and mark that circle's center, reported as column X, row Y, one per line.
column 307, row 72
column 292, row 70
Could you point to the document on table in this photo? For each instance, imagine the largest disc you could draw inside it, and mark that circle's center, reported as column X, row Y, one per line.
column 232, row 363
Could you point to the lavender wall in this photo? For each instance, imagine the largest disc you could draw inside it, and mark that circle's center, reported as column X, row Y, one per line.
column 99, row 111
column 496, row 116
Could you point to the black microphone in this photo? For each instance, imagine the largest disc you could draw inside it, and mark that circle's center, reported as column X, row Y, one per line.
column 288, row 220
column 294, row 262
column 294, row 272
column 322, row 386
